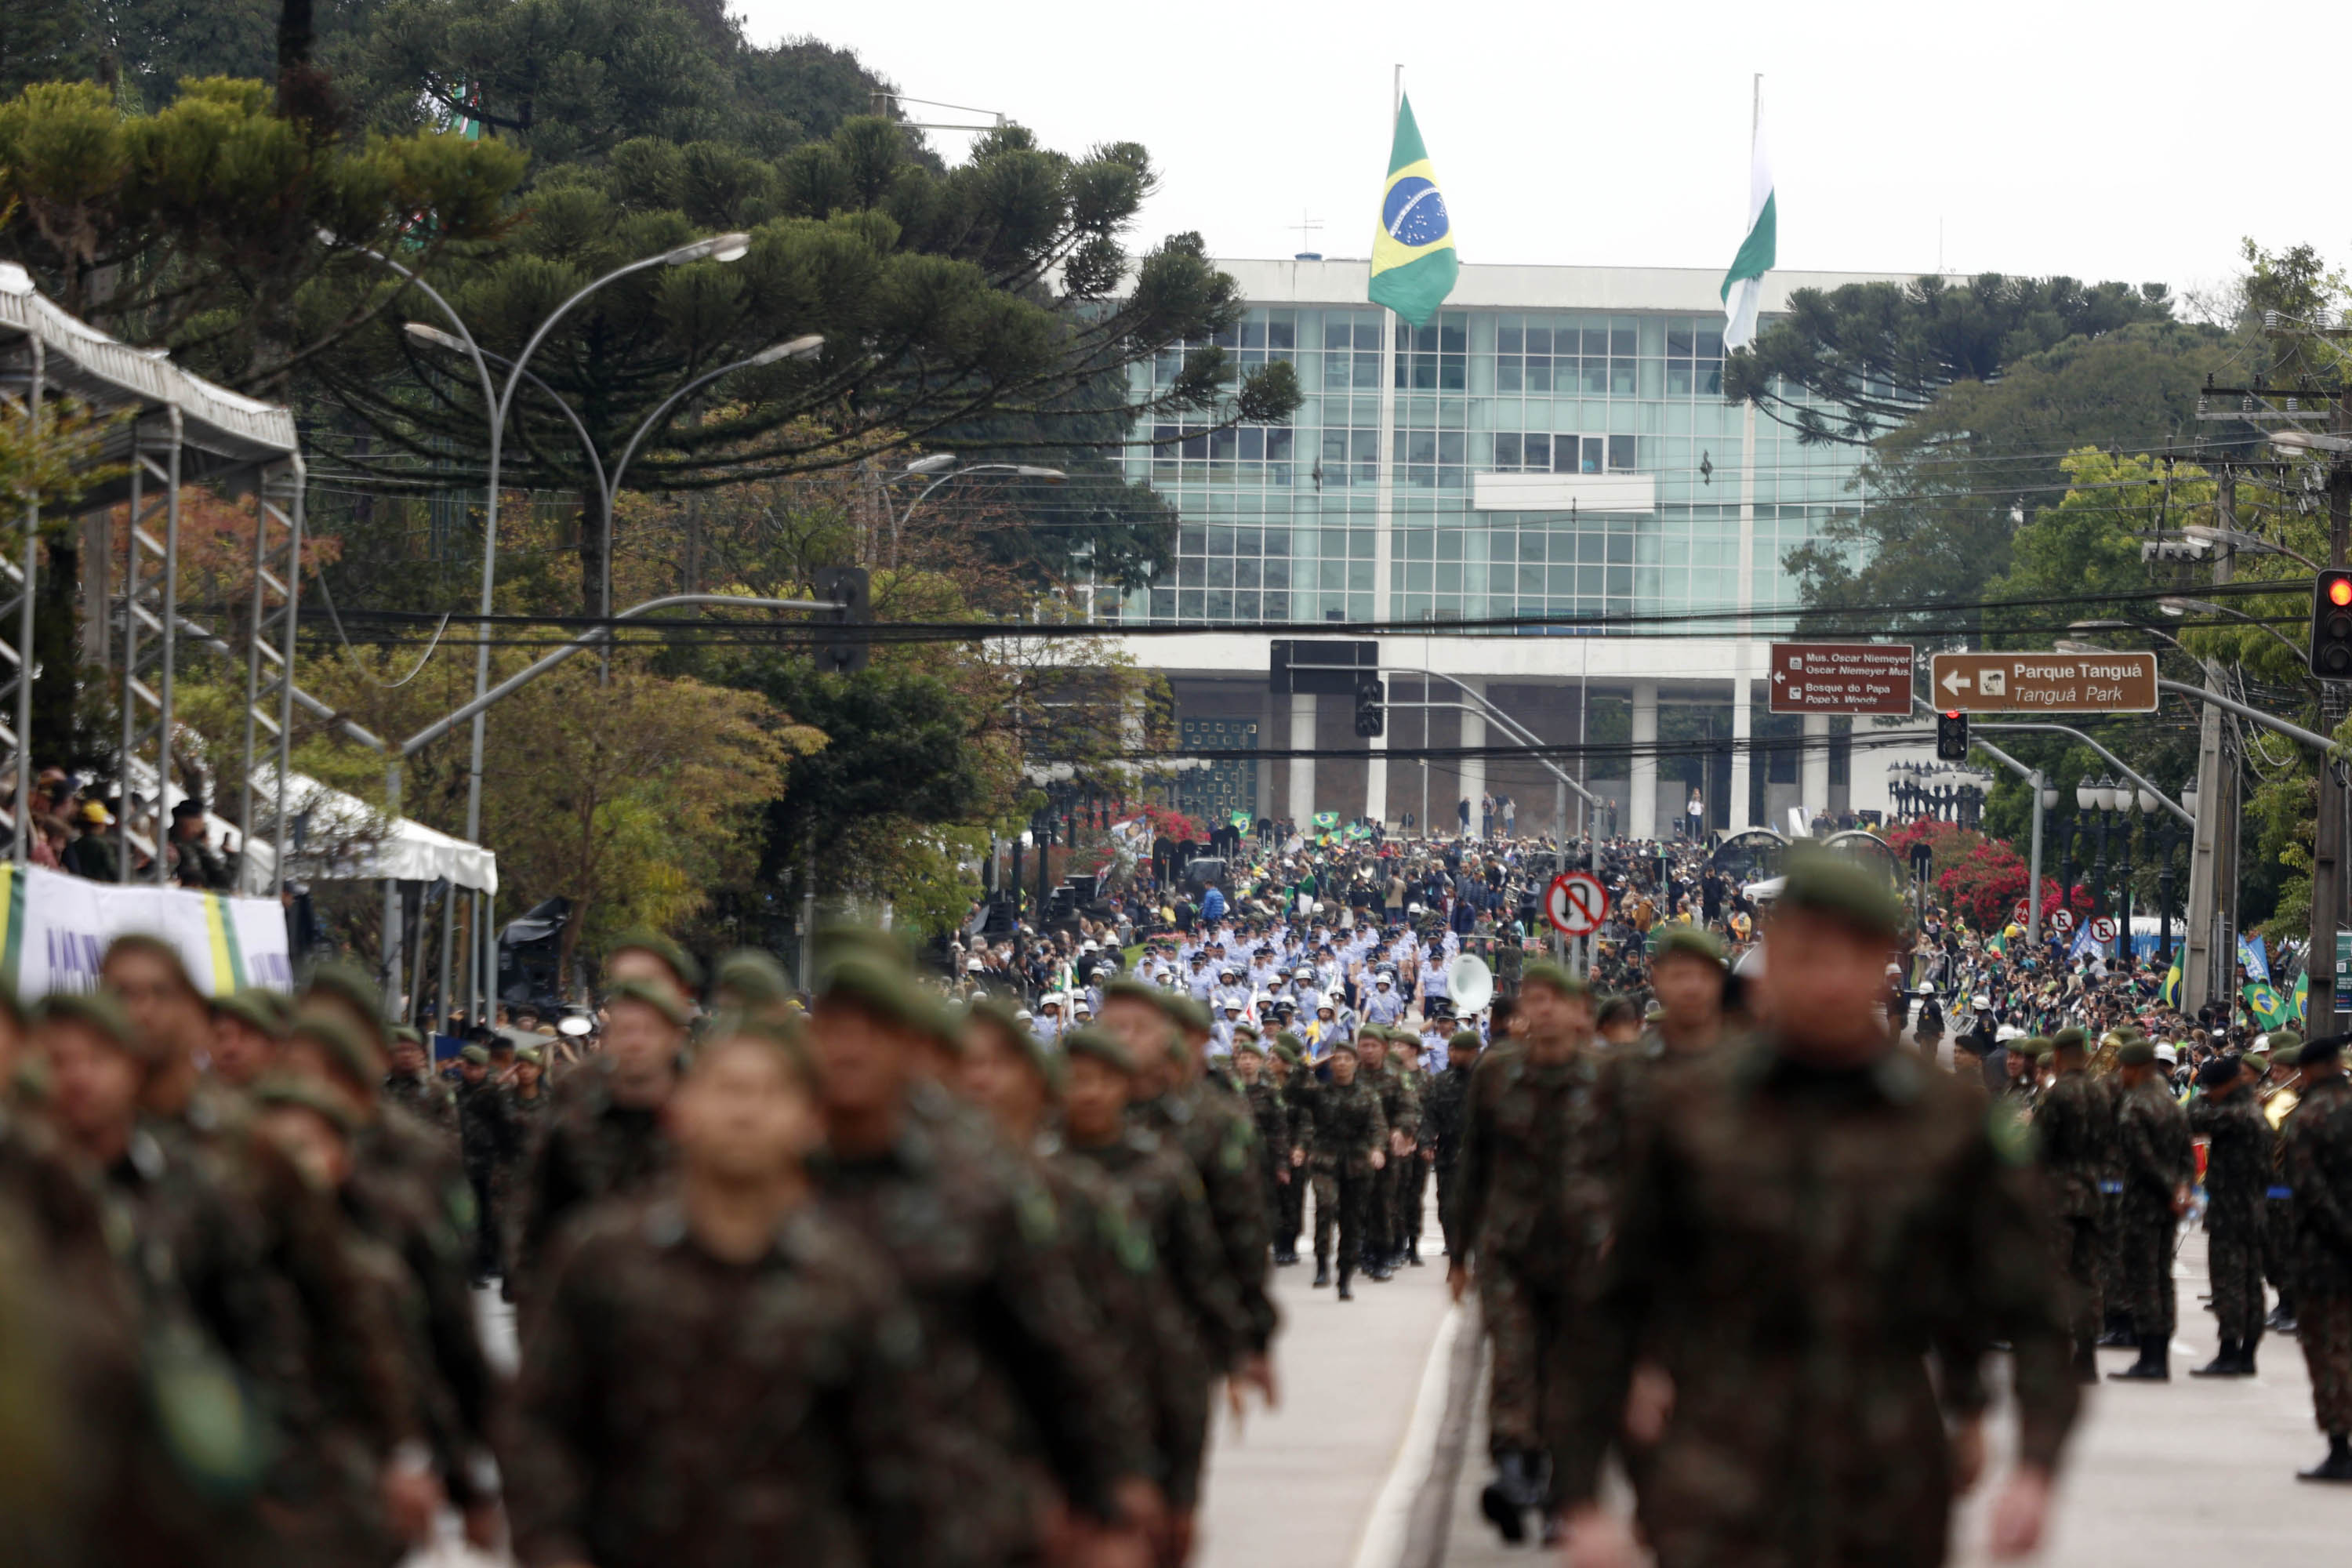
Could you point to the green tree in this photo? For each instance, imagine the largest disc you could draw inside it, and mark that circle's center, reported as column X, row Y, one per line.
column 1850, row 362
column 1942, row 497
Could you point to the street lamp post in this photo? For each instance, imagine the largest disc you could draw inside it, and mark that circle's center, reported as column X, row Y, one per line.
column 718, row 248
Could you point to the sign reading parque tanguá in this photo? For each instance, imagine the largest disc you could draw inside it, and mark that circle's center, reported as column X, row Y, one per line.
column 2035, row 682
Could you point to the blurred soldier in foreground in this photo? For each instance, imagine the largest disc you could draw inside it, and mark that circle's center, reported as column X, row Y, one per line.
column 2075, row 1133
column 1803, row 1222
column 711, row 1376
column 2237, row 1175
column 2316, row 1152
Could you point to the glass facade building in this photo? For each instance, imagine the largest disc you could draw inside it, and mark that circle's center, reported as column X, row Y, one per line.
column 1280, row 523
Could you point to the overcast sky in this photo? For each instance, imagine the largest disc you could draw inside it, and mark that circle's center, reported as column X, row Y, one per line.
column 2099, row 140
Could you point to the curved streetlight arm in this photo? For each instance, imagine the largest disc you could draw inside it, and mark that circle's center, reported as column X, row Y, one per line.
column 465, row 336
column 2296, row 732
column 562, row 310
column 1517, row 730
column 587, row 444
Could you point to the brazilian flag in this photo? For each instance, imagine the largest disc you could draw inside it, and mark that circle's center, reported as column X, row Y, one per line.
column 1326, row 820
column 2267, row 1006
column 2171, row 991
column 1413, row 264
column 2302, row 994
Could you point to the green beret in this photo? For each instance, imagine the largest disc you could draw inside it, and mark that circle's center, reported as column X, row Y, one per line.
column 404, row 1033
column 253, row 1007
column 1463, row 1040
column 660, row 998
column 784, row 1034
column 279, row 1090
column 1189, row 1012
column 146, row 942
column 355, row 985
column 1247, row 1046
column 476, row 1055
column 2135, row 1053
column 2035, row 1047
column 1829, row 885
column 641, row 939
column 1099, row 1044
column 989, row 1010
column 1694, row 940
column 98, row 1010
column 841, row 939
column 2285, row 1042
column 887, row 993
column 2070, row 1038
column 532, row 1055
column 754, row 976
column 1553, row 978
column 355, row 1058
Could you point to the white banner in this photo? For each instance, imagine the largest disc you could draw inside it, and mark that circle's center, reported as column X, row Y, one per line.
column 54, row 930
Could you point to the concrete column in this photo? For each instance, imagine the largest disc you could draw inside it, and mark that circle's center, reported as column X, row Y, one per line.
column 1474, row 769
column 1813, row 773
column 1262, row 803
column 1302, row 769
column 1642, row 810
column 1743, row 727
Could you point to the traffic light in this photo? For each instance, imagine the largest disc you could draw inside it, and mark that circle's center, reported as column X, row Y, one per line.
column 844, row 652
column 1372, row 707
column 1951, row 737
column 2331, row 626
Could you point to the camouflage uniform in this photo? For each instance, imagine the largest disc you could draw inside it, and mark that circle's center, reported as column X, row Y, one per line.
column 1441, row 1131
column 2152, row 1140
column 2317, row 1148
column 233, row 1242
column 1213, row 1128
column 425, row 1096
column 1349, row 1128
column 1532, row 1203
column 589, row 1148
column 1401, row 1108
column 675, row 1408
column 2237, row 1179
column 520, row 1123
column 1792, row 1243
column 2074, row 1130
column 1272, row 1118
column 1015, row 1374
column 1210, row 1331
column 405, row 1192
column 1412, row 1169
column 481, row 1131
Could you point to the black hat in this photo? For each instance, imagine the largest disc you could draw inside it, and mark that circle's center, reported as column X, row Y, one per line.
column 2321, row 1051
column 187, row 808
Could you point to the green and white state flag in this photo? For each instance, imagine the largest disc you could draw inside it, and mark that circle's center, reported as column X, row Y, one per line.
column 1743, row 285
column 1413, row 264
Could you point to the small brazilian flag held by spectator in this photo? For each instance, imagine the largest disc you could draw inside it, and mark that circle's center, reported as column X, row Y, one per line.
column 2267, row 1006
column 1326, row 820
column 2171, row 991
column 1413, row 264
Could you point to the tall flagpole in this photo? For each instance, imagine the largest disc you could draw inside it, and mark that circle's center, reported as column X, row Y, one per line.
column 1376, row 762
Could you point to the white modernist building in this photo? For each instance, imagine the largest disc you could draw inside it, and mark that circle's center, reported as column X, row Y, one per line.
column 1545, row 484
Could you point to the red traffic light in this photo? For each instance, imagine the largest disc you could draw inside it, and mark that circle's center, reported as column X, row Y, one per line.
column 2339, row 591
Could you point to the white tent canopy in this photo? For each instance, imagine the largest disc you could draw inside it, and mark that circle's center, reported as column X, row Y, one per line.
column 344, row 840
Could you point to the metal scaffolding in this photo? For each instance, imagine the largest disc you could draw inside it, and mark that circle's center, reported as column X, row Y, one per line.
column 172, row 430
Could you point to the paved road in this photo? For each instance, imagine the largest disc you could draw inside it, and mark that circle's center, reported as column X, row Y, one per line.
column 1298, row 1487
column 2195, row 1471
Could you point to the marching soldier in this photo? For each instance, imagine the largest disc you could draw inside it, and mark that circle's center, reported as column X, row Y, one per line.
column 1441, row 1126
column 1015, row 1382
column 1531, row 1205
column 606, row 1138
column 1264, row 1097
column 1402, row 1116
column 1287, row 1066
column 2237, row 1178
column 2074, row 1130
column 416, row 1088
column 2317, row 1155
column 2152, row 1138
column 1809, row 1217
column 716, row 1375
column 1352, row 1140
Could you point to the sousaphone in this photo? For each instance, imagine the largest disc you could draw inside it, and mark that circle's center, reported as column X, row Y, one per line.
column 1470, row 983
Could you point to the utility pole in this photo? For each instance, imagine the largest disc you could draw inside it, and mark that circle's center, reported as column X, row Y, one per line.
column 2328, row 849
column 2215, row 818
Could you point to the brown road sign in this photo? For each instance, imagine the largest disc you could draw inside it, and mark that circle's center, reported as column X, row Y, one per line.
column 1842, row 678
column 2042, row 683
